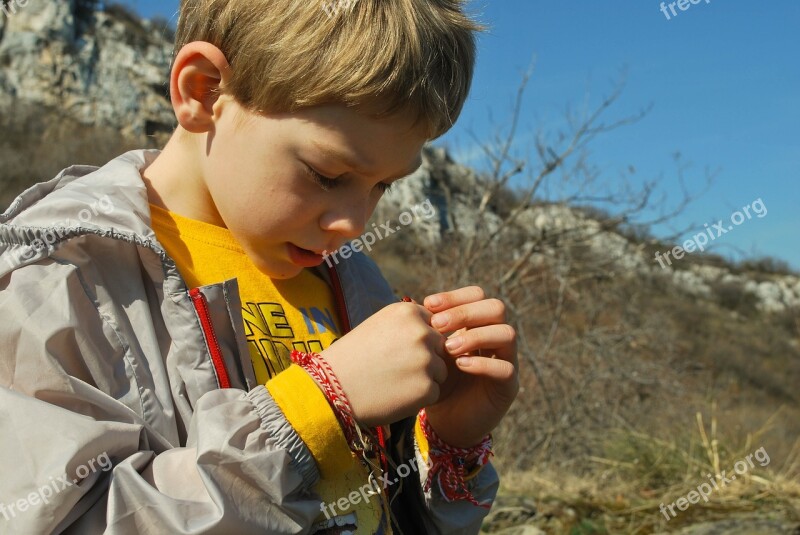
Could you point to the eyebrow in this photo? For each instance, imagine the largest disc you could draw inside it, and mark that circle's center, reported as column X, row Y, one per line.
column 335, row 154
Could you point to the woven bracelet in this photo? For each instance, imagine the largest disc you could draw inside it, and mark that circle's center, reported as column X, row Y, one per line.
column 323, row 375
column 448, row 463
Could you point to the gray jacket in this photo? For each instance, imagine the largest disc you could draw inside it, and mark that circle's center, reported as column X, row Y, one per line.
column 114, row 411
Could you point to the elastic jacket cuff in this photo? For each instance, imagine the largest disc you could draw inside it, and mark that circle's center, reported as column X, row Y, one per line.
column 286, row 438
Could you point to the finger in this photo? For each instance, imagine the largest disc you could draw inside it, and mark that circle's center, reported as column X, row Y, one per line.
column 461, row 296
column 471, row 315
column 487, row 338
column 424, row 312
column 438, row 370
column 497, row 369
column 436, row 341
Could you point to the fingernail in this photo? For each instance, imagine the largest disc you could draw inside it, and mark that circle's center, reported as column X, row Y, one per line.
column 440, row 320
column 464, row 361
column 435, row 301
column 454, row 343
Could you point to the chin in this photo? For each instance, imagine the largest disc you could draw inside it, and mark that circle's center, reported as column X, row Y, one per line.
column 285, row 276
column 282, row 270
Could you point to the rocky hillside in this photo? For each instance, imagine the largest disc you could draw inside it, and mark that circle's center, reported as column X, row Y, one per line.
column 701, row 276
column 107, row 68
column 104, row 68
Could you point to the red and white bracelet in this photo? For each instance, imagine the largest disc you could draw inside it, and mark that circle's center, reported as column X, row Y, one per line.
column 361, row 441
column 448, row 463
column 323, row 375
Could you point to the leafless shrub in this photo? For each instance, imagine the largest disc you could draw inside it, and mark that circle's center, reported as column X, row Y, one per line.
column 603, row 344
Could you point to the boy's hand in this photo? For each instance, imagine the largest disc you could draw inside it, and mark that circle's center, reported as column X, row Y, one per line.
column 483, row 381
column 391, row 365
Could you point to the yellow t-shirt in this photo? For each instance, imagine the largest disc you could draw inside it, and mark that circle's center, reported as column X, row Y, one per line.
column 279, row 315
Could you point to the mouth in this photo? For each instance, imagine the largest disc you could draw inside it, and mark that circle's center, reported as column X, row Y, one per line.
column 304, row 257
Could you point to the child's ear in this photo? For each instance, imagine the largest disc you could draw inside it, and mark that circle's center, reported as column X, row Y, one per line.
column 198, row 72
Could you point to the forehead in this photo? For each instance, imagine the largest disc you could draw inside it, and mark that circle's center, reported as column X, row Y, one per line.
column 363, row 142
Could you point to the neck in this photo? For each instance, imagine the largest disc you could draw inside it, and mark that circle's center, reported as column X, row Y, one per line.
column 175, row 180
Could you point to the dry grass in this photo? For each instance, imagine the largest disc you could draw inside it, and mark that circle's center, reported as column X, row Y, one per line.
column 631, row 393
column 624, row 493
column 38, row 143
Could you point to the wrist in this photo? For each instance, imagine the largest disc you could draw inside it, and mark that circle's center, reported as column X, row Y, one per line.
column 450, row 466
column 322, row 374
column 439, row 424
column 363, row 441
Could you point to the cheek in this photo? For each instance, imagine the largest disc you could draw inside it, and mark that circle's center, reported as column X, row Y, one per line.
column 371, row 204
column 266, row 207
column 267, row 210
column 239, row 166
column 250, row 185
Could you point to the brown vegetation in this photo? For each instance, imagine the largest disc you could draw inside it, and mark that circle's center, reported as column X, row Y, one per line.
column 38, row 143
column 616, row 365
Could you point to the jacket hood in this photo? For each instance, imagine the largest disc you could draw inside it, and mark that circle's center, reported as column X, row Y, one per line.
column 109, row 201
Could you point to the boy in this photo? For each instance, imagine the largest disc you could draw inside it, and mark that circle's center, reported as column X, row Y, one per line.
column 170, row 313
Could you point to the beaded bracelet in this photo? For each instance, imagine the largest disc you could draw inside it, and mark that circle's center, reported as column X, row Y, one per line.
column 448, row 463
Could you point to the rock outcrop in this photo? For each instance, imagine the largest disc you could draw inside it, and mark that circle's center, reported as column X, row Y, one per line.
column 108, row 68
column 102, row 68
column 454, row 190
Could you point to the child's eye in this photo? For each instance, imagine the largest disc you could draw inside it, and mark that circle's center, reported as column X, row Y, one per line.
column 324, row 182
column 327, row 183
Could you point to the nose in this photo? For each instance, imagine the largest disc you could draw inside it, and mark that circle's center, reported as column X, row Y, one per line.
column 348, row 219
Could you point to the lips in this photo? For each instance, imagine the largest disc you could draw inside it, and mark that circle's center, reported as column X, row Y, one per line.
column 304, row 257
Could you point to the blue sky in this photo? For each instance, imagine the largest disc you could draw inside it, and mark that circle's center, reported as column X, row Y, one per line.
column 723, row 79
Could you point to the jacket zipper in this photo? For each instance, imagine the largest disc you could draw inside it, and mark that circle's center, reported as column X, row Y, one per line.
column 201, row 307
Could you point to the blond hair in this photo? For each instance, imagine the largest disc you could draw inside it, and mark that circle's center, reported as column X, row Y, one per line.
column 395, row 56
